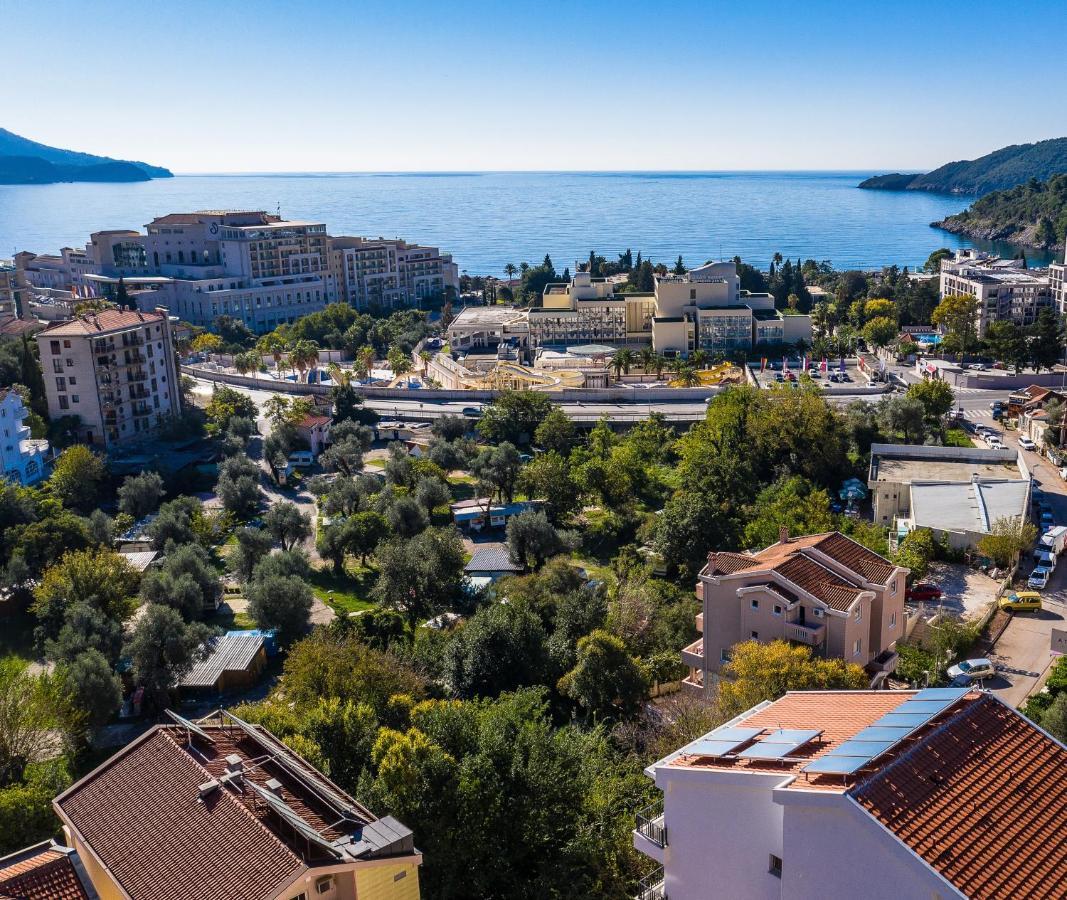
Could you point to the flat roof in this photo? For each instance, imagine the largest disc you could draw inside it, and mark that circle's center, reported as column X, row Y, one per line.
column 970, row 506
column 909, row 471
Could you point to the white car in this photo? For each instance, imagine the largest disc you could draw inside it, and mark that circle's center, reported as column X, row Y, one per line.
column 1027, row 444
column 1038, row 578
column 973, row 669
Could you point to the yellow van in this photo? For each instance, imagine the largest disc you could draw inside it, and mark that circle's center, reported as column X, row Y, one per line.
column 1021, row 601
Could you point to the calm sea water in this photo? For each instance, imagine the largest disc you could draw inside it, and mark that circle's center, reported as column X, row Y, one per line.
column 487, row 220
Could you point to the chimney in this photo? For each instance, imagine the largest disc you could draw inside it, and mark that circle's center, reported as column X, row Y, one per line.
column 783, row 534
column 234, row 764
column 274, row 786
column 206, row 789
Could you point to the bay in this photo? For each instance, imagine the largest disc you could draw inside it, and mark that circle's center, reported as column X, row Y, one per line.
column 489, row 219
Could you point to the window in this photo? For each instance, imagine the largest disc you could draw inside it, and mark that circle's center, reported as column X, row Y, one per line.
column 775, row 867
column 70, row 363
column 777, row 610
column 73, row 380
column 755, row 635
column 54, row 346
column 324, row 885
column 892, row 620
column 818, row 613
column 755, row 604
column 724, row 656
column 73, row 398
column 57, row 366
column 61, row 384
column 399, row 876
column 857, row 648
column 893, row 588
column 63, row 402
column 858, row 615
column 66, row 345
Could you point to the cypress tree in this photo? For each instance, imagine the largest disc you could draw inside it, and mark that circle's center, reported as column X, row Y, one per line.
column 30, row 375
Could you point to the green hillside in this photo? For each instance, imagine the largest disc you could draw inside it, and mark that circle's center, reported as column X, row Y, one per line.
column 23, row 161
column 1033, row 214
column 996, row 171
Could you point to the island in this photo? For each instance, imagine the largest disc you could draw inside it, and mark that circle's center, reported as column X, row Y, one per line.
column 997, row 171
column 23, row 161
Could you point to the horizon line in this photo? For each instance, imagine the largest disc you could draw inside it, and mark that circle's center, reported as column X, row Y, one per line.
column 314, row 172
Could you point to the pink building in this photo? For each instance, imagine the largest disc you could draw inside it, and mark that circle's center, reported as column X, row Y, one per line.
column 315, row 429
column 880, row 795
column 823, row 590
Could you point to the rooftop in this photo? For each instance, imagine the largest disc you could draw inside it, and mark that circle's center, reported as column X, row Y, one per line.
column 44, row 871
column 905, row 463
column 233, row 652
column 494, row 559
column 103, row 322
column 219, row 810
column 967, row 506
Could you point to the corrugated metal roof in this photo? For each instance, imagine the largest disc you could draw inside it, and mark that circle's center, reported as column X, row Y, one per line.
column 230, row 653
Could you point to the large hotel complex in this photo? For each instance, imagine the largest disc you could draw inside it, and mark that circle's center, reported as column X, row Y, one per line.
column 252, row 265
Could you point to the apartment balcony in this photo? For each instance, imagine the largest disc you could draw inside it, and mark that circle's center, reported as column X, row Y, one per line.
column 700, row 622
column 136, row 375
column 650, row 835
column 141, row 409
column 134, row 359
column 652, row 886
column 886, row 661
column 694, row 684
column 693, row 655
column 812, row 635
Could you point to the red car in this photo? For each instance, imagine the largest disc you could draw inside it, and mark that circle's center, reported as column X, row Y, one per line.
column 923, row 591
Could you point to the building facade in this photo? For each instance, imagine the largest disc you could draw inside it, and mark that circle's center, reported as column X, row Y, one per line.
column 370, row 273
column 115, row 370
column 834, row 795
column 1005, row 291
column 9, row 290
column 1057, row 273
column 824, row 591
column 22, row 458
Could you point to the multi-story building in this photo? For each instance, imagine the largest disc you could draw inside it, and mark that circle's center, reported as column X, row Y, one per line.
column 10, row 293
column 703, row 309
column 115, row 370
column 22, row 458
column 1057, row 273
column 1006, row 291
column 834, row 795
column 824, row 591
column 380, row 273
column 222, row 809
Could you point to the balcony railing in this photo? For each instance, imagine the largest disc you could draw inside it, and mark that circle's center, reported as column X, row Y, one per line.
column 650, row 824
column 812, row 635
column 693, row 655
column 651, row 887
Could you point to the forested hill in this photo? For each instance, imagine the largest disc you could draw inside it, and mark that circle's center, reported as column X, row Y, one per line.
column 996, row 171
column 23, row 161
column 1033, row 214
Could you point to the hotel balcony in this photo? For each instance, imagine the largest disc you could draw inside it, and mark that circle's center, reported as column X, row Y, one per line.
column 812, row 635
column 693, row 655
column 651, row 887
column 650, row 835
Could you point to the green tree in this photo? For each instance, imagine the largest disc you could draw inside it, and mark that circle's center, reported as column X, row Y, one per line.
column 548, row 477
column 174, row 522
column 934, row 260
column 280, row 602
column 140, row 494
column 37, row 717
column 500, row 648
column 162, row 649
column 77, row 476
column 1009, row 537
column 532, row 539
column 227, row 404
column 1054, row 719
column 793, row 502
column 1047, row 340
column 94, row 687
column 903, row 415
column 916, row 552
column 937, row 399
column 514, row 417
column 422, row 576
column 606, row 681
column 557, row 432
column 1007, row 342
column 252, row 545
column 957, row 315
column 287, row 524
column 758, row 672
column 880, row 332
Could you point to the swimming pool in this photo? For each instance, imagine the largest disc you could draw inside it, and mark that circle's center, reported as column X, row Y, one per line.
column 927, row 338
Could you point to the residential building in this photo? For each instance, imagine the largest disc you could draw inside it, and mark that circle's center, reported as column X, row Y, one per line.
column 315, row 429
column 824, row 591
column 1057, row 273
column 880, row 795
column 480, row 512
column 222, row 810
column 22, row 458
column 491, row 563
column 704, row 309
column 957, row 492
column 1006, row 291
column 45, row 871
column 10, row 293
column 381, row 273
column 115, row 370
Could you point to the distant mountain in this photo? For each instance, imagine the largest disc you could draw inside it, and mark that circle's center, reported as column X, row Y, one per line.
column 23, row 161
column 1033, row 214
column 996, row 171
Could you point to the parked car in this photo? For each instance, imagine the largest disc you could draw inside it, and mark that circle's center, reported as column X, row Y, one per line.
column 979, row 367
column 1021, row 601
column 472, row 412
column 1027, row 444
column 1038, row 578
column 996, row 404
column 1044, row 558
column 1046, row 520
column 923, row 590
column 973, row 669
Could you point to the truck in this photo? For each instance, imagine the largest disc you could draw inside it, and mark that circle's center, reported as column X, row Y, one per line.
column 1054, row 539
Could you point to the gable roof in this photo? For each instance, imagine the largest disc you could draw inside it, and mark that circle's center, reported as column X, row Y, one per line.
column 493, row 559
column 983, row 800
column 232, row 652
column 102, row 322
column 44, row 871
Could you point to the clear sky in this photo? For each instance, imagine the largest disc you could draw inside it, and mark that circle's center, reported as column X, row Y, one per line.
column 275, row 85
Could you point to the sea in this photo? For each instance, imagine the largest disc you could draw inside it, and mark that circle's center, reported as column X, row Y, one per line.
column 489, row 219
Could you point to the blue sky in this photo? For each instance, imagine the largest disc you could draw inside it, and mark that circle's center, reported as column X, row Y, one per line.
column 335, row 86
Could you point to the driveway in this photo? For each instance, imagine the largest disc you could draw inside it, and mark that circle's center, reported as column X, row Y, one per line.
column 967, row 592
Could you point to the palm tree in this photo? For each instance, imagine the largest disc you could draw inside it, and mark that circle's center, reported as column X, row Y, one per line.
column 510, row 269
column 688, row 376
column 249, row 361
column 699, row 358
column 304, row 356
column 274, row 345
column 365, row 362
column 659, row 365
column 621, row 360
column 399, row 361
column 648, row 359
column 425, row 356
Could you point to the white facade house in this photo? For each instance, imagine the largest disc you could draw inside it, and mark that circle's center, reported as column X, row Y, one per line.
column 1006, row 291
column 22, row 458
column 879, row 795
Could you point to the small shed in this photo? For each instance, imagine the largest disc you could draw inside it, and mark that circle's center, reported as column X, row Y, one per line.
column 140, row 559
column 493, row 563
column 235, row 662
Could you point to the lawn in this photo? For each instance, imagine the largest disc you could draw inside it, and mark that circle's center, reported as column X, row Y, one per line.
column 344, row 593
column 957, row 437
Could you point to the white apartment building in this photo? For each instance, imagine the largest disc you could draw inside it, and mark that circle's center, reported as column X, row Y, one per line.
column 1006, row 292
column 389, row 274
column 9, row 289
column 22, row 458
column 1057, row 273
column 881, row 795
column 115, row 370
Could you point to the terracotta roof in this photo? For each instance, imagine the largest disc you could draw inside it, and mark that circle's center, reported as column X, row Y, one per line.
column 102, row 322
column 983, row 800
column 312, row 421
column 42, row 872
column 141, row 815
column 178, row 219
column 11, row 326
column 793, row 560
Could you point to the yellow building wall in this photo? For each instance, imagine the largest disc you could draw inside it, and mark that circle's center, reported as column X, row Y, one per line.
column 102, row 881
column 397, row 882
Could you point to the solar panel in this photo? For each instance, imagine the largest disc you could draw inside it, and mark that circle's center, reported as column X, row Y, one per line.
column 295, row 820
column 191, row 727
column 859, row 748
column 733, row 733
column 722, row 741
column 885, row 733
column 940, row 694
column 836, row 765
column 927, row 708
column 903, row 719
column 779, row 744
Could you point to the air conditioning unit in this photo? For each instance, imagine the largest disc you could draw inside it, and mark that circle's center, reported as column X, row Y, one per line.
column 324, row 885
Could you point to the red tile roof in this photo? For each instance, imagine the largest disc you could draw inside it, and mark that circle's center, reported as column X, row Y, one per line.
column 983, row 800
column 141, row 814
column 103, row 322
column 311, row 421
column 41, row 872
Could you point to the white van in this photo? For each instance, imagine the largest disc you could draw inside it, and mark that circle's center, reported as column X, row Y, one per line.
column 301, row 458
